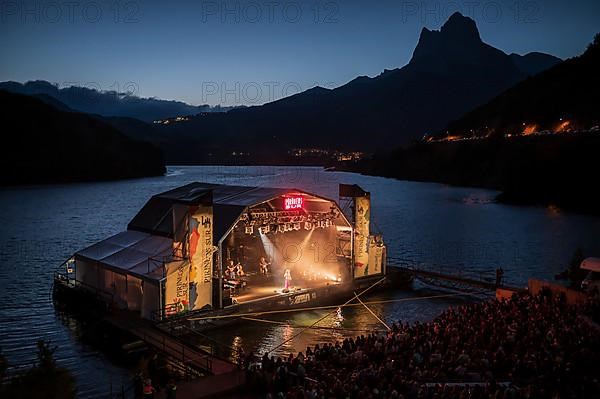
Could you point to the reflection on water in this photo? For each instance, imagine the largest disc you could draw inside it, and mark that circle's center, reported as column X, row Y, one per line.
column 237, row 345
column 431, row 225
column 267, row 333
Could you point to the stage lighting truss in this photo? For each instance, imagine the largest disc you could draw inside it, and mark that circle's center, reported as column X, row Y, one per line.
column 284, row 221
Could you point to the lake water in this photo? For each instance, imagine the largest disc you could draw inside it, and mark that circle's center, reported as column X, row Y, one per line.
column 424, row 224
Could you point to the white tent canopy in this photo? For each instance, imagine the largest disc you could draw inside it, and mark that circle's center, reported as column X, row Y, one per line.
column 130, row 252
column 128, row 266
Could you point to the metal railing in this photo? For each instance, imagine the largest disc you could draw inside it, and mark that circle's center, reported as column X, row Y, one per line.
column 170, row 310
column 63, row 277
column 487, row 275
column 187, row 357
column 217, row 349
column 123, row 392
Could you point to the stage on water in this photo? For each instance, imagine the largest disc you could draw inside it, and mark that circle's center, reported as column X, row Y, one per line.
column 213, row 249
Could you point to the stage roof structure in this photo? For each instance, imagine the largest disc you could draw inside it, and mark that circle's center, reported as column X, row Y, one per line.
column 229, row 202
column 147, row 244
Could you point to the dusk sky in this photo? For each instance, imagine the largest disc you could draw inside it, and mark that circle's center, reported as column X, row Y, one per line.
column 257, row 51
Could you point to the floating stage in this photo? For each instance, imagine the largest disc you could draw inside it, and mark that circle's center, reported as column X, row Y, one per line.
column 270, row 300
column 196, row 256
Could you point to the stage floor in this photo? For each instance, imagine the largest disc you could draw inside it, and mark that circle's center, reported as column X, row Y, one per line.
column 261, row 287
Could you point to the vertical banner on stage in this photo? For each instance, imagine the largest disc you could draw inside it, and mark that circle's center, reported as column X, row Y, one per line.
column 201, row 256
column 376, row 249
column 177, row 287
column 362, row 215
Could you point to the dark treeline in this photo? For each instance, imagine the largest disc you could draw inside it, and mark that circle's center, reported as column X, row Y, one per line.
column 44, row 380
column 42, row 144
column 549, row 170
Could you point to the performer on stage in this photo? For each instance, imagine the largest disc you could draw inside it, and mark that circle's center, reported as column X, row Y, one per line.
column 240, row 270
column 263, row 266
column 288, row 278
column 231, row 270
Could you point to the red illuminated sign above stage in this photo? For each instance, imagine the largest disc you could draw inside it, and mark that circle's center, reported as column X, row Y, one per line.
column 290, row 203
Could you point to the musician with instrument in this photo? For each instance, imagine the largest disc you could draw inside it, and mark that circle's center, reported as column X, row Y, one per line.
column 263, row 266
column 239, row 270
column 231, row 270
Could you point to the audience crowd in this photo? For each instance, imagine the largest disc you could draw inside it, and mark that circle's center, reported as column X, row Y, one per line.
column 522, row 347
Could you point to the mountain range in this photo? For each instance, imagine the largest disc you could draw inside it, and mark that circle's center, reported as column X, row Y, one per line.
column 537, row 143
column 108, row 103
column 451, row 72
column 567, row 94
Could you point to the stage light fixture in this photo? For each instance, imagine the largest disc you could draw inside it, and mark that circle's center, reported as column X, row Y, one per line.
column 296, row 226
column 308, row 225
column 249, row 230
